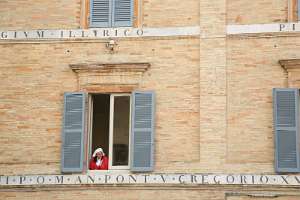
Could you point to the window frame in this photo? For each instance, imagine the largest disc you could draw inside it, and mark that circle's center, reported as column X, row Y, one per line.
column 111, row 133
column 110, row 140
column 85, row 15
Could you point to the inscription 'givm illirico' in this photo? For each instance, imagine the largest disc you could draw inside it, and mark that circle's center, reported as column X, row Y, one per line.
column 190, row 179
column 71, row 34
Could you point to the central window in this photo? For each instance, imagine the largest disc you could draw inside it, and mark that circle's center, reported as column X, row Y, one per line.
column 111, row 13
column 110, row 127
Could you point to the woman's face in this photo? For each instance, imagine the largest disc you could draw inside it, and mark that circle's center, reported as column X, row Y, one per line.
column 99, row 154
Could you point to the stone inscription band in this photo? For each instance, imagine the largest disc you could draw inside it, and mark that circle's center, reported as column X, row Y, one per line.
column 177, row 179
column 102, row 33
column 97, row 33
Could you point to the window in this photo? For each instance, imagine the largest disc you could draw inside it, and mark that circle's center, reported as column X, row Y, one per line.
column 286, row 128
column 111, row 13
column 122, row 124
column 110, row 127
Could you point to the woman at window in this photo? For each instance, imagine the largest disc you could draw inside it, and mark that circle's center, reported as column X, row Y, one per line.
column 99, row 161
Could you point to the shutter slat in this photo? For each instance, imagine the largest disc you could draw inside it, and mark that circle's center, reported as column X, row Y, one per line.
column 122, row 13
column 73, row 132
column 100, row 13
column 142, row 143
column 286, row 111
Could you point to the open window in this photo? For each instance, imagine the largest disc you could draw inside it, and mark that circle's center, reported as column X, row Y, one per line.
column 110, row 127
column 122, row 124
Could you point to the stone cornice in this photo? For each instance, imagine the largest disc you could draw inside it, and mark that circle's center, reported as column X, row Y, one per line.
column 110, row 67
column 290, row 64
column 93, row 76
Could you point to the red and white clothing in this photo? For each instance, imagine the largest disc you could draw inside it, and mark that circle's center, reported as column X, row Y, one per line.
column 99, row 164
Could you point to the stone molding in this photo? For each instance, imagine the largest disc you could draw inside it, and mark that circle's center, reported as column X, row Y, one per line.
column 110, row 67
column 164, row 179
column 290, row 64
column 92, row 76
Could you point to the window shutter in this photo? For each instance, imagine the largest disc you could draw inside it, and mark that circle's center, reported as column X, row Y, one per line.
column 286, row 125
column 142, row 138
column 122, row 13
column 298, row 2
column 100, row 13
column 73, row 132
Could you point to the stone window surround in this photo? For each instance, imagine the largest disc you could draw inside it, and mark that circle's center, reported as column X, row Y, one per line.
column 292, row 66
column 109, row 77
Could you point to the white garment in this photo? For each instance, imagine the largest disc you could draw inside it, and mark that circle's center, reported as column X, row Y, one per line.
column 98, row 150
column 99, row 162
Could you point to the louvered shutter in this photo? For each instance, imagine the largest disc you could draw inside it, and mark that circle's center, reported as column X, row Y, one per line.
column 122, row 13
column 298, row 10
column 142, row 139
column 73, row 132
column 100, row 13
column 286, row 126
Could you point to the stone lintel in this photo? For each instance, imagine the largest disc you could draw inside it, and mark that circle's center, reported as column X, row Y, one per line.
column 290, row 64
column 110, row 67
column 120, row 76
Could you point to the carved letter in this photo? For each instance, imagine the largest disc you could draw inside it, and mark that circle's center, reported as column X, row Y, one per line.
column 294, row 27
column 140, row 32
column 132, row 177
column 78, row 179
column 26, row 34
column 230, row 179
column 264, row 179
column 40, row 179
column 59, row 179
column 297, row 179
column 215, row 180
column 107, row 178
column 89, row 178
column 22, row 179
column 285, row 179
column 71, row 35
column 125, row 32
column 281, row 26
column 145, row 177
column 105, row 33
column 204, row 181
column 122, row 179
column 3, row 35
column 179, row 178
column 243, row 179
column 163, row 178
column 194, row 179
column 40, row 34
column 95, row 32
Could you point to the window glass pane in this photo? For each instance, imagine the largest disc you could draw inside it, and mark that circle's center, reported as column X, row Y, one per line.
column 121, row 130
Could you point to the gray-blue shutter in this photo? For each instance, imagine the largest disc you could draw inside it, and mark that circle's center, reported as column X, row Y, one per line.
column 100, row 13
column 142, row 138
column 298, row 10
column 73, row 132
column 122, row 13
column 286, row 126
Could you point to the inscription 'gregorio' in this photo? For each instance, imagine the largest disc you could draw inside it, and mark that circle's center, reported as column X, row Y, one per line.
column 162, row 179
